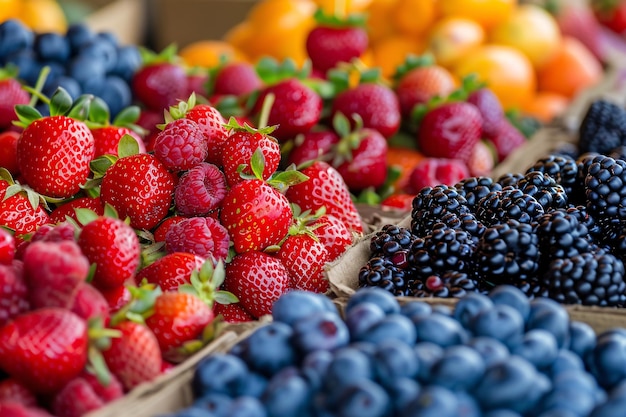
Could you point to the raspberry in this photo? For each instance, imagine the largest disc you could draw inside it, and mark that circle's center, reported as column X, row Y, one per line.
column 202, row 236
column 181, row 145
column 200, row 190
column 436, row 171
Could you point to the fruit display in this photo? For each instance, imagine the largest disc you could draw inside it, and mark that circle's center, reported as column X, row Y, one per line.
column 38, row 15
column 495, row 354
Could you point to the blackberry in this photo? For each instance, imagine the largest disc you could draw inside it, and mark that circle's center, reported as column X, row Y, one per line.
column 499, row 206
column 592, row 278
column 432, row 203
column 475, row 188
column 509, row 179
column 382, row 272
column 450, row 284
column 449, row 249
column 570, row 150
column 544, row 188
column 580, row 212
column 390, row 239
column 562, row 168
column 603, row 127
column 618, row 153
column 561, row 235
column 533, row 289
column 508, row 253
column 605, row 186
column 466, row 222
column 577, row 196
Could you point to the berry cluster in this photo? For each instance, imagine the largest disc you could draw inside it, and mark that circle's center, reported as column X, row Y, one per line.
column 493, row 355
column 556, row 230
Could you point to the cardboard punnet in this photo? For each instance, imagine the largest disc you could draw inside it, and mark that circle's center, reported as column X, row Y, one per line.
column 127, row 19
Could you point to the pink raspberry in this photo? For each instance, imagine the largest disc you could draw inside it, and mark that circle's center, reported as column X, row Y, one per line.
column 201, row 236
column 181, row 145
column 435, row 171
column 200, row 190
column 54, row 233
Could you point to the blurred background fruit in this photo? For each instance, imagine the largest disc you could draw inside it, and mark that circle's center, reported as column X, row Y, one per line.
column 39, row 15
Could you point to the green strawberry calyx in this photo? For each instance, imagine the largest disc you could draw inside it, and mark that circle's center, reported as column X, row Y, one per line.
column 100, row 116
column 34, row 198
column 169, row 54
column 60, row 104
column 350, row 137
column 412, row 62
column 206, row 282
column 339, row 18
column 272, row 70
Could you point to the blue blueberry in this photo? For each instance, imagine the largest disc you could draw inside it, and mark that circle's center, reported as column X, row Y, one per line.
column 549, row 315
column 268, row 349
column 501, row 413
column 444, row 310
column 559, row 413
column 315, row 365
column 52, row 46
column 253, row 386
column 469, row 306
column 360, row 318
column 320, row 330
column 614, row 405
column 14, row 37
column 117, row 94
column 217, row 404
column 86, row 70
column 433, row 401
column 582, row 338
column 219, row 373
column 541, row 386
column 100, row 49
column 78, row 35
column 511, row 296
column 607, row 360
column 28, row 66
column 401, row 392
column 579, row 402
column 294, row 305
column 69, row 84
column 287, row 394
column 384, row 299
column 565, row 361
column 502, row 322
column 247, row 407
column 347, row 366
column 490, row 349
column 127, row 63
column 415, row 308
column 393, row 360
column 56, row 70
column 439, row 329
column 460, row 368
column 468, row 406
column 193, row 412
column 363, row 398
column 538, row 347
column 426, row 354
column 391, row 327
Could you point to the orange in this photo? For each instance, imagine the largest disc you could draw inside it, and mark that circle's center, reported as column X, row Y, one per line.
column 390, row 52
column 572, row 69
column 451, row 38
column 486, row 12
column 532, row 30
column 9, row 9
column 279, row 12
column 209, row 53
column 238, row 35
column 506, row 70
column 43, row 16
column 545, row 106
column 379, row 21
column 405, row 159
column 413, row 17
column 346, row 6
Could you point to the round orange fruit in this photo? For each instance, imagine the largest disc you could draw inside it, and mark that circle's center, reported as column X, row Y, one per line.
column 451, row 38
column 486, row 12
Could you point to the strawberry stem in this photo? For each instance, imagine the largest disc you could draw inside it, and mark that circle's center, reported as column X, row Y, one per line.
column 36, row 93
column 268, row 102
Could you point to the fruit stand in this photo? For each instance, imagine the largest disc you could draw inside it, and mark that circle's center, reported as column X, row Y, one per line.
column 312, row 208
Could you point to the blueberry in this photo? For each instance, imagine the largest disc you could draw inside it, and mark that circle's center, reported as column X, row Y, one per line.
column 393, row 360
column 69, row 84
column 577, row 402
column 320, row 330
column 51, row 46
column 127, row 63
column 565, row 361
column 439, row 329
column 443, row 310
column 501, row 413
column 361, row 317
column 511, row 296
column 315, row 365
column 427, row 354
column 253, row 386
column 470, row 305
column 347, row 366
column 78, row 35
column 433, row 401
column 415, row 308
column 14, row 37
column 608, row 359
column 247, row 407
column 102, row 50
column 287, row 394
column 217, row 404
column 538, row 390
column 549, row 315
column 384, row 299
column 297, row 304
column 460, row 368
column 56, row 70
column 501, row 322
column 268, row 349
column 28, row 65
column 402, row 391
column 86, row 70
column 506, row 383
column 219, row 373
column 538, row 347
column 117, row 94
column 193, row 412
column 391, row 327
column 468, row 406
column 363, row 398
column 582, row 338
column 490, row 349
column 614, row 405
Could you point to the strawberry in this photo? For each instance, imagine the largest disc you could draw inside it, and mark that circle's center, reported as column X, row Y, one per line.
column 201, row 236
column 18, row 211
column 44, row 349
column 295, row 110
column 140, row 187
column 7, row 247
column 13, row 292
column 304, row 257
column 505, row 139
column 234, row 79
column 577, row 19
column 54, row 152
column 334, row 40
column 232, row 313
column 84, row 394
column 435, row 171
column 53, row 272
column 11, row 94
column 11, row 408
column 257, row 279
column 450, row 130
column 212, row 124
column 482, row 160
column 134, row 357
column 312, row 145
column 326, row 188
column 8, row 151
column 400, row 201
column 89, row 303
column 116, row 298
column 107, row 134
column 161, row 230
column 334, row 235
column 113, row 246
column 375, row 104
column 610, row 13
column 490, row 108
column 197, row 80
column 178, row 317
column 68, row 209
column 12, row 390
column 107, row 139
column 171, row 271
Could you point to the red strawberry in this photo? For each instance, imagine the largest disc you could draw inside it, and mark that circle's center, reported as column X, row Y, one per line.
column 196, row 82
column 376, row 104
column 13, row 292
column 171, row 271
column 107, row 139
column 326, row 188
column 8, row 151
column 7, row 247
column 296, row 108
column 84, row 394
column 312, row 145
column 139, row 187
column 212, row 125
column 53, row 272
column 201, row 236
column 160, row 84
column 334, row 235
column 53, row 155
column 490, row 108
column 12, row 390
column 11, row 94
column 450, row 130
column 334, row 40
column 59, row 214
column 113, row 246
column 435, row 171
column 181, row 145
column 149, row 120
column 506, row 139
column 11, row 408
column 304, row 257
column 482, row 160
column 44, row 349
column 134, row 357
column 235, row 78
column 610, row 13
column 90, row 303
column 200, row 190
column 257, row 280
column 402, row 202
column 178, row 317
column 117, row 298
column 232, row 313
column 18, row 213
column 163, row 227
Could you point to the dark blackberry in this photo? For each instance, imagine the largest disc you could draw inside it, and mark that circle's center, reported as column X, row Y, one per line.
column 509, row 179
column 475, row 188
column 605, row 188
column 578, row 196
column 450, row 284
column 567, row 149
column 544, row 189
column 449, row 249
column 581, row 213
column 603, row 127
column 390, row 239
column 466, row 222
column 432, row 203
column 618, row 153
column 382, row 272
column 592, row 278
column 561, row 235
column 508, row 253
column 560, row 167
column 533, row 289
column 499, row 206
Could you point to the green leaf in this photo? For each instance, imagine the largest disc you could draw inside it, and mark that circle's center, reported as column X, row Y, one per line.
column 6, row 175
column 187, row 289
column 127, row 146
column 257, row 163
column 85, row 215
column 100, row 165
column 99, row 112
column 26, row 115
column 370, row 75
column 99, row 366
column 127, row 116
column 60, row 102
column 225, row 297
column 110, row 211
column 282, row 180
column 341, row 124
column 80, row 109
